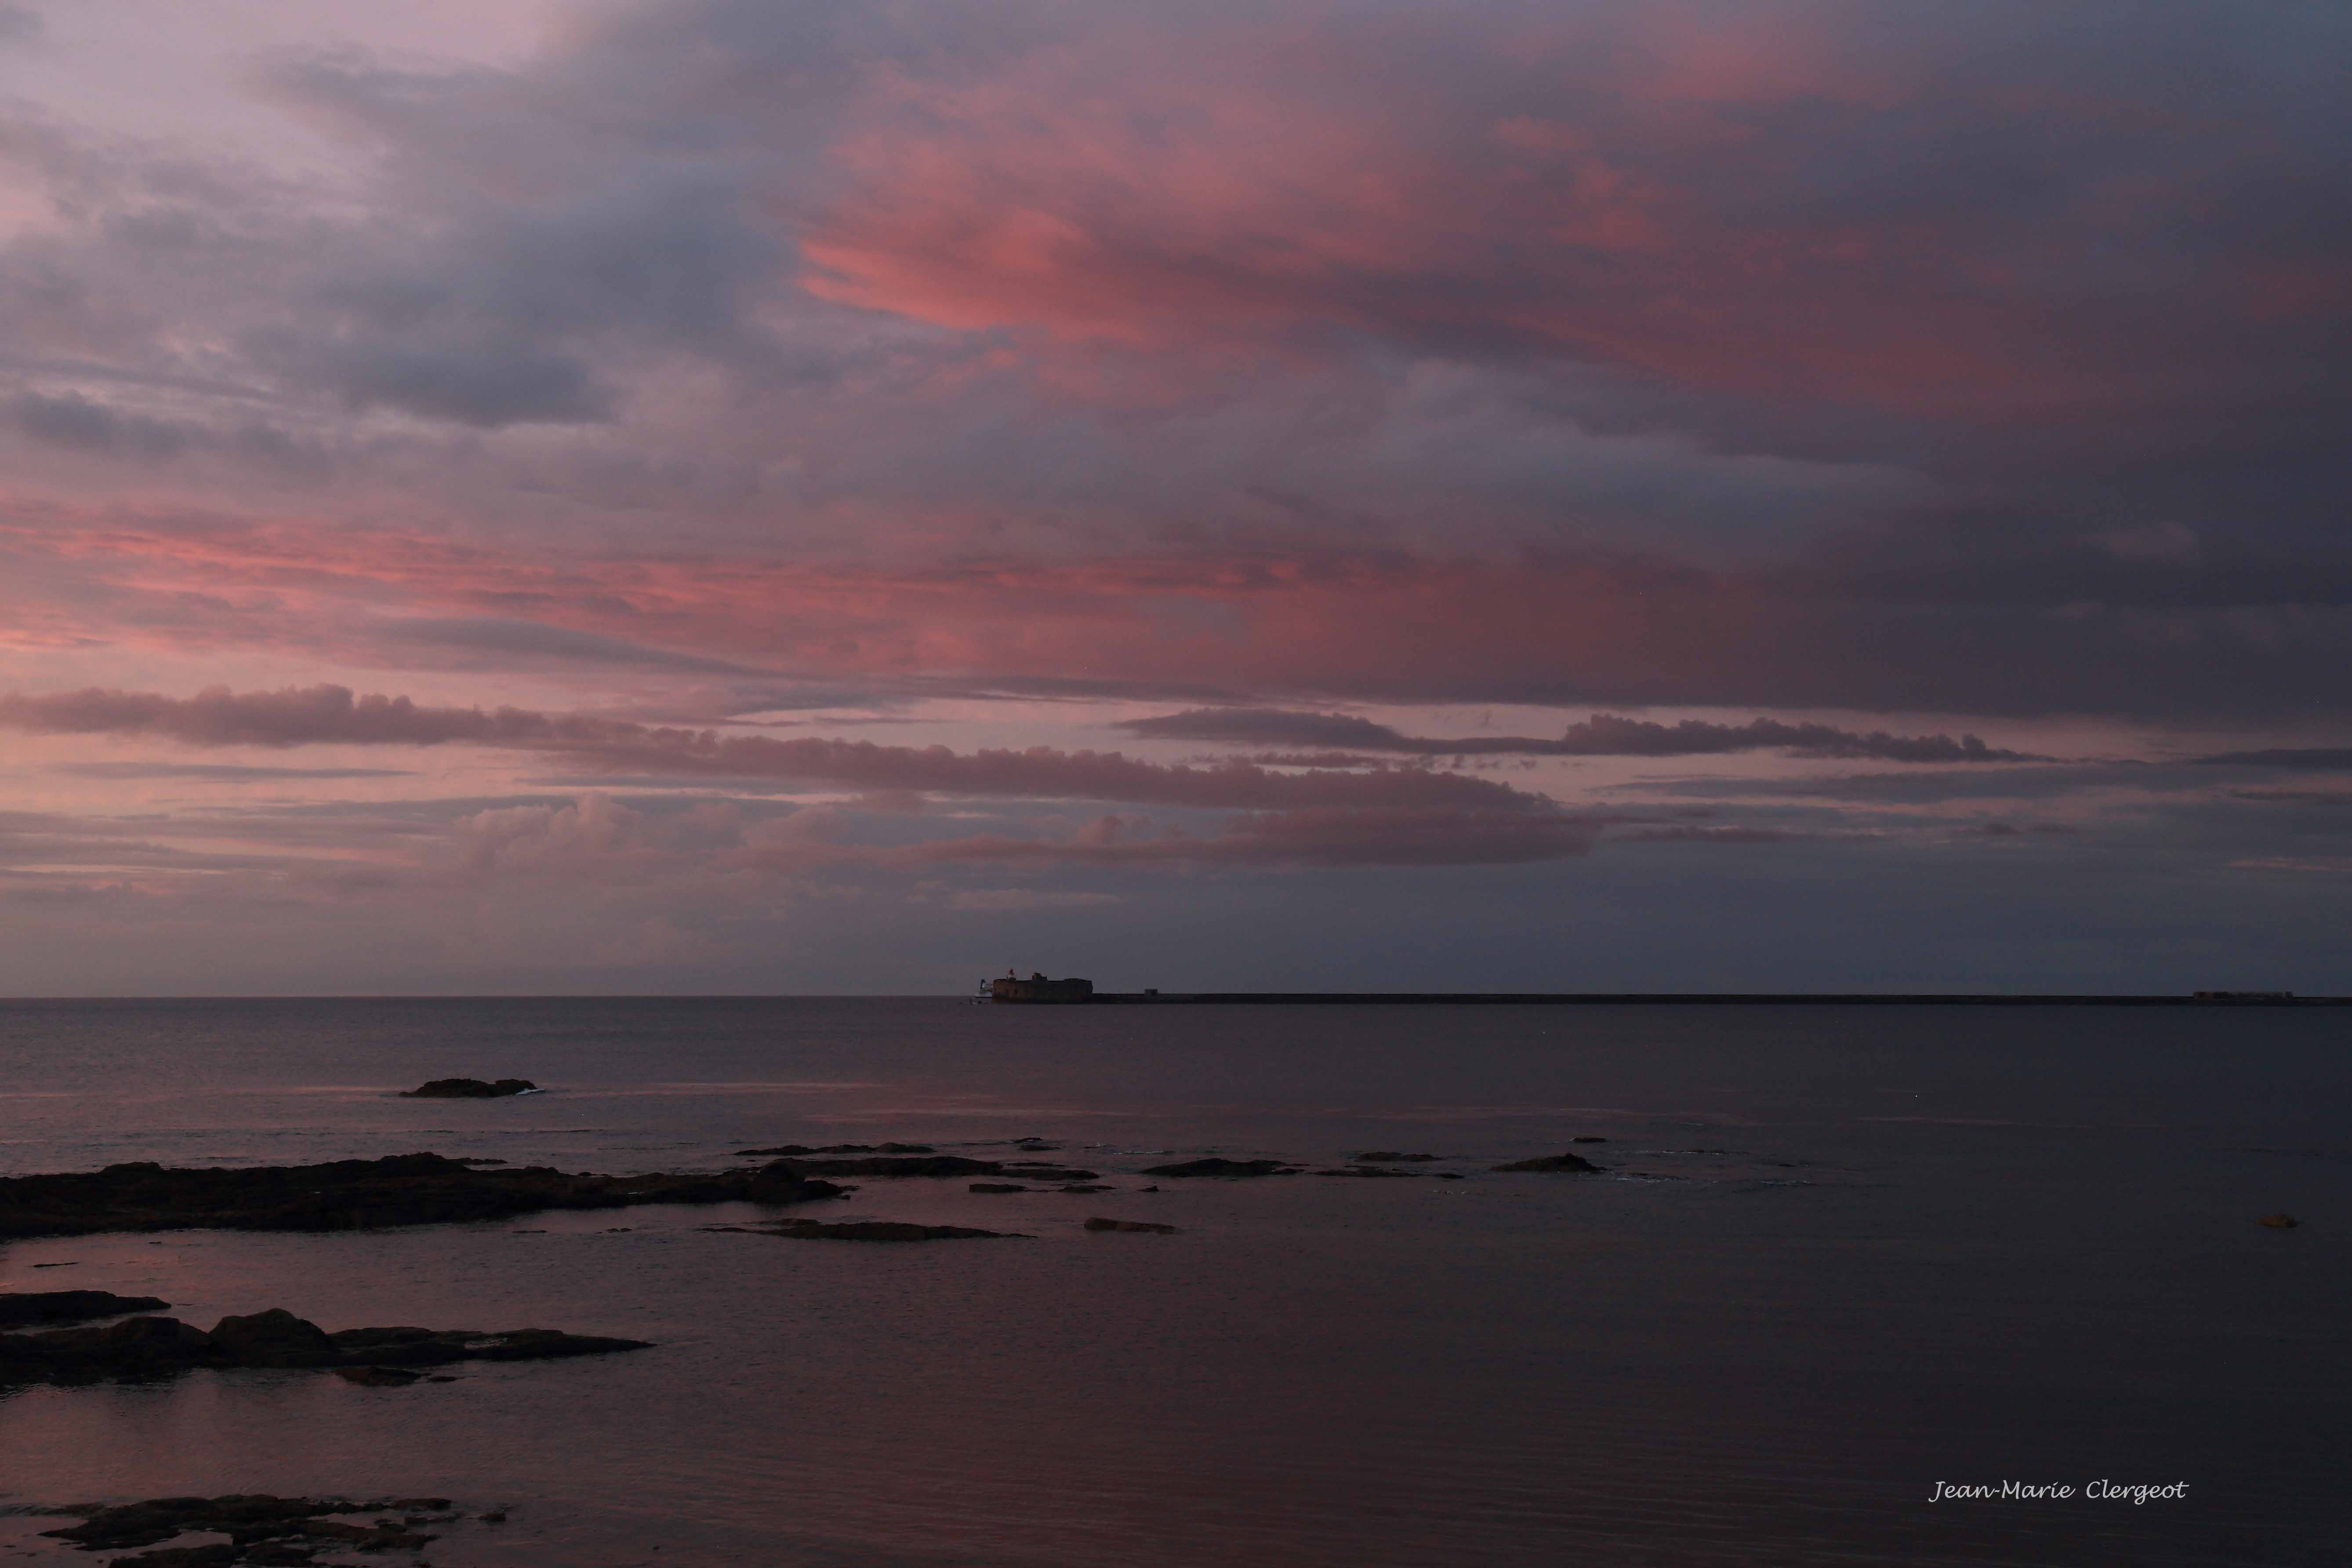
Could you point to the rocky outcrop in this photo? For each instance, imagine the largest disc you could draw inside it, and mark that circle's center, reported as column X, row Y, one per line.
column 31, row 1308
column 262, row 1530
column 1214, row 1167
column 1574, row 1164
column 356, row 1194
column 468, row 1088
column 1140, row 1226
column 160, row 1347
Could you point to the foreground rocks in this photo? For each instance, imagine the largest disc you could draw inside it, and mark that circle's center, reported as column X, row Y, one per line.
column 1576, row 1164
column 357, row 1195
column 470, row 1089
column 20, row 1309
column 871, row 1230
column 163, row 1347
column 261, row 1529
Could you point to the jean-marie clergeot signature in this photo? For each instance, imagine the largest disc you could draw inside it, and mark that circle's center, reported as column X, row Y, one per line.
column 2029, row 1492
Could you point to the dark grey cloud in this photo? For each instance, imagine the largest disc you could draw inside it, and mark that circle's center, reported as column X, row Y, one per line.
column 2306, row 759
column 520, row 641
column 1600, row 735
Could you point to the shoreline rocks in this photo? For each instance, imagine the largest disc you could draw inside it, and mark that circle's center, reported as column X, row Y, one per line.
column 470, row 1088
column 140, row 1348
column 356, row 1194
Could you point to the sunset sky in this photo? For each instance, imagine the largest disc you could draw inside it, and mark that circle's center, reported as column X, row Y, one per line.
column 851, row 495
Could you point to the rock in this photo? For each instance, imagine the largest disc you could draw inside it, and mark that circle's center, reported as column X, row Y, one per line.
column 26, row 1308
column 1573, row 1164
column 379, row 1376
column 1368, row 1170
column 1085, row 1187
column 274, row 1337
column 791, row 1149
column 1140, row 1226
column 995, row 1187
column 278, row 1554
column 1388, row 1156
column 883, row 1230
column 2279, row 1221
column 158, row 1347
column 496, row 1516
column 1043, row 1173
column 1214, row 1167
column 1589, row 1138
column 354, row 1194
column 249, row 1517
column 468, row 1088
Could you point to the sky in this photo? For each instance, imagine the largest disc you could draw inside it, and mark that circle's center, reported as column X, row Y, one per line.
column 753, row 496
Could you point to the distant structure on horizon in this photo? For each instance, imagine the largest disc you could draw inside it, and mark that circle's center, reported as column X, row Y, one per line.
column 1036, row 988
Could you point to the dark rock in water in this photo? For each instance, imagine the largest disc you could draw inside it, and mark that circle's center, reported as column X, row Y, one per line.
column 995, row 1187
column 351, row 1194
column 1574, row 1164
column 1085, row 1187
column 785, row 1183
column 879, row 1166
column 161, row 1347
column 883, row 1230
column 252, row 1520
column 1371, row 1171
column 274, row 1337
column 379, row 1376
column 467, row 1089
column 2279, row 1221
column 1214, row 1167
column 26, row 1309
column 1590, row 1138
column 1041, row 1173
column 1141, row 1225
column 1389, row 1157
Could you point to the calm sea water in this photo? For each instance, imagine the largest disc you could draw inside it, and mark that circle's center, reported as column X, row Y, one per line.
column 1843, row 1255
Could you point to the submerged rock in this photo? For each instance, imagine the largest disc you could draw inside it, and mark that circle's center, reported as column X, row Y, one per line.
column 379, row 1376
column 1389, row 1157
column 354, row 1195
column 1371, row 1171
column 1215, row 1167
column 1575, row 1164
column 880, row 1165
column 26, row 1308
column 2279, row 1221
column 161, row 1347
column 1140, row 1226
column 468, row 1088
column 1590, row 1138
column 996, row 1187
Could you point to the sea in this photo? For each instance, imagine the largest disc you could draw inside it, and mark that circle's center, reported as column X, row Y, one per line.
column 1838, row 1259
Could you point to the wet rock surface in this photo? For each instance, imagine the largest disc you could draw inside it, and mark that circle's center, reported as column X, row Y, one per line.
column 27, row 1309
column 261, row 1529
column 140, row 1348
column 1215, row 1167
column 1140, row 1226
column 470, row 1089
column 1573, row 1164
column 1389, row 1157
column 1374, row 1171
column 355, row 1194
